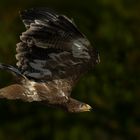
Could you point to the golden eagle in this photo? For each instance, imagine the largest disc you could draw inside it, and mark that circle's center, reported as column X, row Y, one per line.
column 52, row 56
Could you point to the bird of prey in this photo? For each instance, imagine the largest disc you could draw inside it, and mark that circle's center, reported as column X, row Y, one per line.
column 51, row 57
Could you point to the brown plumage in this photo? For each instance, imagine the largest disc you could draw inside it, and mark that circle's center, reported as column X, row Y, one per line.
column 52, row 56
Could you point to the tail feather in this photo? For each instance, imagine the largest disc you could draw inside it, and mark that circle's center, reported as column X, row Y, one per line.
column 13, row 92
column 11, row 69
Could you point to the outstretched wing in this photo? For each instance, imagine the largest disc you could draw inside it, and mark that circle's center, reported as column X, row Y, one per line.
column 51, row 47
column 46, row 29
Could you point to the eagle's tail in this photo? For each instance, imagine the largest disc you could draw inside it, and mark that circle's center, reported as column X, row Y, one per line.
column 13, row 92
column 11, row 69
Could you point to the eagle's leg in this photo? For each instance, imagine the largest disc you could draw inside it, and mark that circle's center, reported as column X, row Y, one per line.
column 13, row 92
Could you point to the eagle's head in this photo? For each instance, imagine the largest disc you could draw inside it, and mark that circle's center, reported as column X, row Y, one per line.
column 77, row 106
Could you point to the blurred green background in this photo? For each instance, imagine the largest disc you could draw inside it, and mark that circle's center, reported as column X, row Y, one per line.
column 113, row 88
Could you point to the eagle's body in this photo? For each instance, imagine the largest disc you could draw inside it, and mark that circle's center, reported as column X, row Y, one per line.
column 52, row 56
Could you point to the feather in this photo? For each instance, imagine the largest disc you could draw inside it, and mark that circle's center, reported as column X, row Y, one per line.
column 51, row 46
column 52, row 55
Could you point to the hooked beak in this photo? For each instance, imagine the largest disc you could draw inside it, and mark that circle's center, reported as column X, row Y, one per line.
column 85, row 107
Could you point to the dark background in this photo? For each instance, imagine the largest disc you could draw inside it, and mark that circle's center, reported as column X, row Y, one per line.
column 112, row 88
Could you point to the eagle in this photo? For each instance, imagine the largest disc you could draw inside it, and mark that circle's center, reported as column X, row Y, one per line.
column 51, row 56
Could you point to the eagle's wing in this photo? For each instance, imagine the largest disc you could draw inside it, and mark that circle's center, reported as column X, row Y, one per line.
column 52, row 46
column 46, row 29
